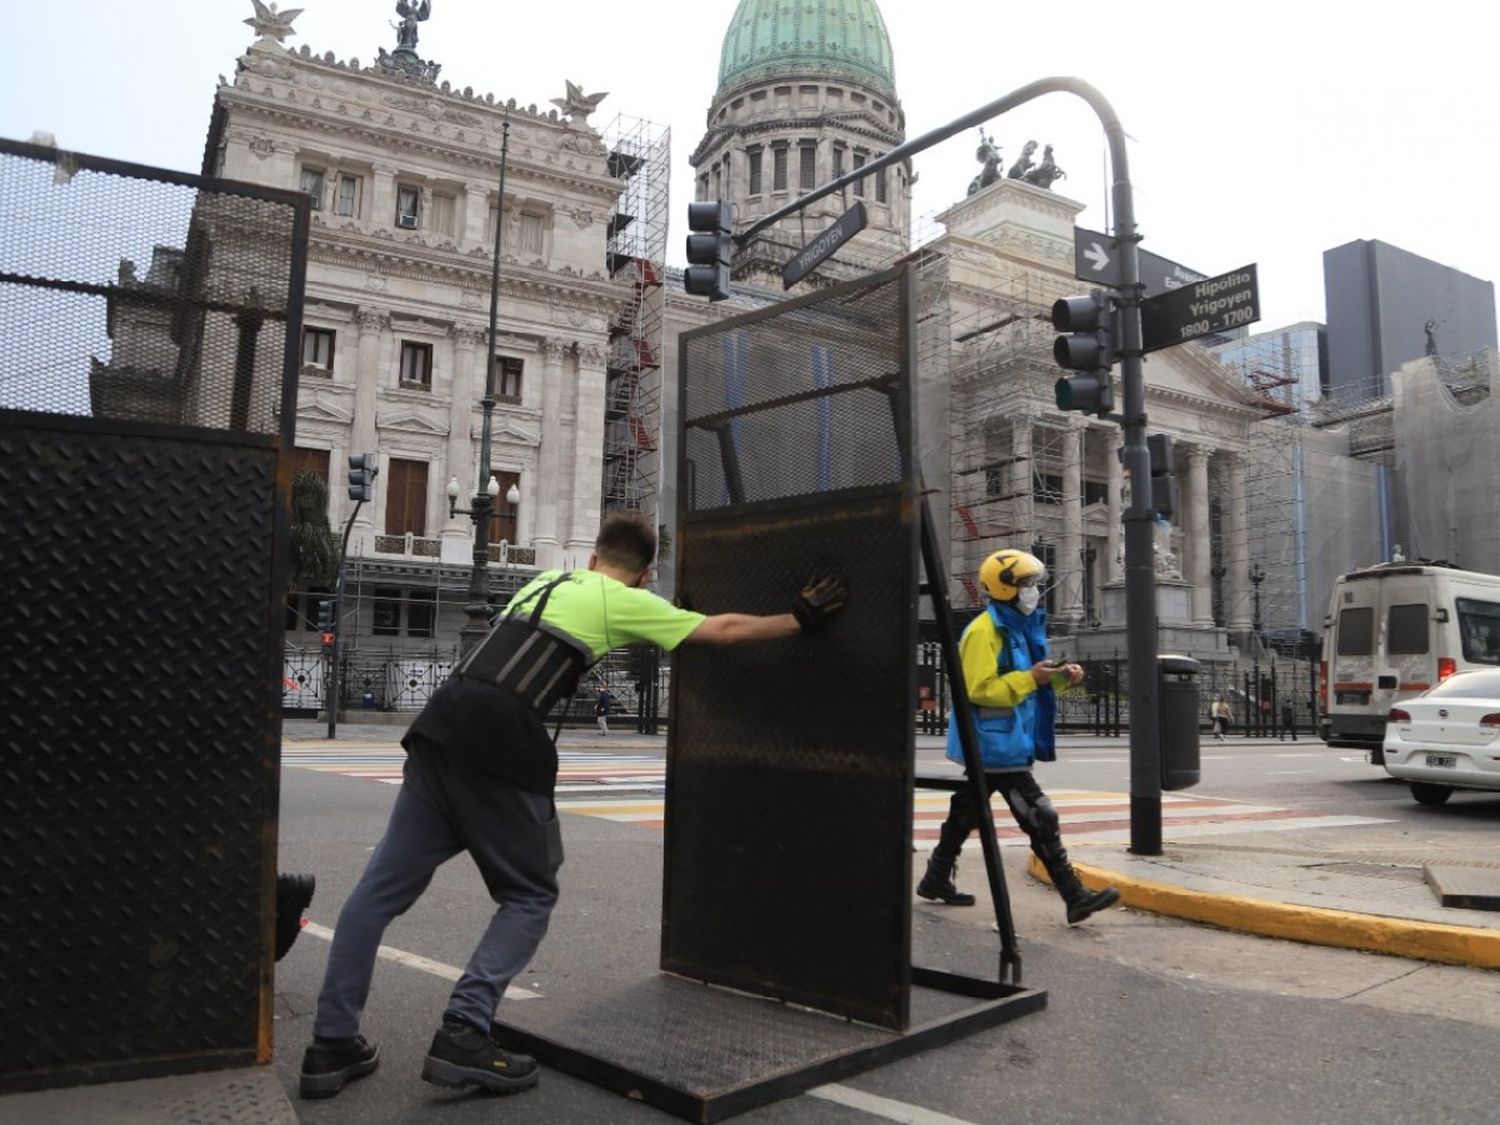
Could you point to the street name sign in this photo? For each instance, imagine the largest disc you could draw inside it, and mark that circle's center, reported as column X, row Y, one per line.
column 1096, row 259
column 1213, row 305
column 850, row 223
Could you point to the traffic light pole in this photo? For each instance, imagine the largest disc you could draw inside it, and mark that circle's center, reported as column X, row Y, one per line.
column 338, row 612
column 1139, row 518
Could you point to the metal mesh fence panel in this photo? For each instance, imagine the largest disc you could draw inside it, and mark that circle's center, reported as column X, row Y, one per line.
column 789, row 785
column 144, row 450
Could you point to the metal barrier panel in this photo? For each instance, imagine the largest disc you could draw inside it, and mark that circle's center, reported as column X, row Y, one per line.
column 790, row 765
column 146, row 388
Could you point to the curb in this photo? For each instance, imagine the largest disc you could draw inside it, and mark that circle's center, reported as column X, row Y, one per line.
column 1312, row 925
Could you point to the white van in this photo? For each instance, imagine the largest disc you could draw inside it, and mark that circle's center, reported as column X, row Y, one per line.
column 1393, row 631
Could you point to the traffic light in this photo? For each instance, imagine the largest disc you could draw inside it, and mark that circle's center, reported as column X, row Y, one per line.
column 363, row 469
column 1163, row 475
column 325, row 614
column 1089, row 349
column 709, row 249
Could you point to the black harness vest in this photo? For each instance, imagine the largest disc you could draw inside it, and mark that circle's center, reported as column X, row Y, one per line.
column 523, row 656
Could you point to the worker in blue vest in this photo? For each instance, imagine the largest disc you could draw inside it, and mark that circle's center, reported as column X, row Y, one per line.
column 1011, row 684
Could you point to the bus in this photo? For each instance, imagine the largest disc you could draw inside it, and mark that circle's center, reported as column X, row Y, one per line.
column 1394, row 630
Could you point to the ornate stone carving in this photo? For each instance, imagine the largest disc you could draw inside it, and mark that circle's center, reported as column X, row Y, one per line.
column 261, row 147
column 372, row 320
column 270, row 24
column 468, row 335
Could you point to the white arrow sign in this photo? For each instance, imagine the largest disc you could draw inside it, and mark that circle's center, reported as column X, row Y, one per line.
column 1097, row 256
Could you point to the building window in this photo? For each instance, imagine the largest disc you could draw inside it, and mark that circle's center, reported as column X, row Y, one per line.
column 807, row 171
column 416, row 365
column 317, row 348
column 421, row 613
column 530, row 235
column 755, row 161
column 346, row 203
column 313, row 461
column 718, row 182
column 838, row 161
column 386, row 621
column 703, row 186
column 859, row 184
column 503, row 522
column 1046, row 488
column 312, row 183
column 406, row 497
column 444, row 209
column 778, row 169
column 880, row 186
column 508, row 379
column 408, row 199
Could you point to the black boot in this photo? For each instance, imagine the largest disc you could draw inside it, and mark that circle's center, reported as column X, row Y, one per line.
column 1081, row 901
column 937, row 884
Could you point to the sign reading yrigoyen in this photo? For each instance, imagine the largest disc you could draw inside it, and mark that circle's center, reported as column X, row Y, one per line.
column 850, row 223
column 1215, row 304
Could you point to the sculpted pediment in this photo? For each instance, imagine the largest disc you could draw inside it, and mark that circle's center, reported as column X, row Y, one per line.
column 412, row 421
column 319, row 410
column 511, row 431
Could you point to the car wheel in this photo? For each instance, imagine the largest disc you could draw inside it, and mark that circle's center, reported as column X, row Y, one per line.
column 1425, row 793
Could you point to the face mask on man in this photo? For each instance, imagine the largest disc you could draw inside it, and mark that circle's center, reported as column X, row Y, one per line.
column 1027, row 598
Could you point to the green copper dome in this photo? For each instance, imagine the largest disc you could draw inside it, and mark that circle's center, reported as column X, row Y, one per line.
column 767, row 38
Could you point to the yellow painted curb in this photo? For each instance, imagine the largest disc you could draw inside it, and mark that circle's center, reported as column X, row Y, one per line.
column 1398, row 937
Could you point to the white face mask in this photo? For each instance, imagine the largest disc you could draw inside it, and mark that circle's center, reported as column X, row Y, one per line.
column 1027, row 599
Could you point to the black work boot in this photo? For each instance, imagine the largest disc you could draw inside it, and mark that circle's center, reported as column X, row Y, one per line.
column 1086, row 902
column 1081, row 901
column 937, row 884
column 329, row 1063
column 462, row 1055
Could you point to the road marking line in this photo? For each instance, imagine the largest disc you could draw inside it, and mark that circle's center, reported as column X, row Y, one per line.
column 425, row 964
column 883, row 1107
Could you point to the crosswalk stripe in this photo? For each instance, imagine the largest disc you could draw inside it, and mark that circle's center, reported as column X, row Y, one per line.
column 630, row 789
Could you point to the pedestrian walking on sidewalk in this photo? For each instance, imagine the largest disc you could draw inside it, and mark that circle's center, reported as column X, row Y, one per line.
column 1288, row 720
column 601, row 710
column 1221, row 716
column 479, row 777
column 1012, row 684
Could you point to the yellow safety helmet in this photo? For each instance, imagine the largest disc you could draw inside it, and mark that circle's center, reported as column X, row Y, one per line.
column 1004, row 573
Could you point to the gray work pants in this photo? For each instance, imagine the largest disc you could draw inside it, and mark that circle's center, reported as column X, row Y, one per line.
column 440, row 811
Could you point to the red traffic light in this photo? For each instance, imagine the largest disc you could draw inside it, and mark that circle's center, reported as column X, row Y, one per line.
column 328, row 638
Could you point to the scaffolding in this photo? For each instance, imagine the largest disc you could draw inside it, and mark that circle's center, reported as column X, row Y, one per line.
column 639, row 154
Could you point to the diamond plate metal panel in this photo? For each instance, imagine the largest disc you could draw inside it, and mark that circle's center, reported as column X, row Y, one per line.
column 790, row 766
column 145, row 420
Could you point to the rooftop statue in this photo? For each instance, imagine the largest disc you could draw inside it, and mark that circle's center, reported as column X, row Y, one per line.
column 404, row 59
column 411, row 14
column 271, row 24
column 1045, row 173
column 1024, row 164
column 988, row 155
column 578, row 105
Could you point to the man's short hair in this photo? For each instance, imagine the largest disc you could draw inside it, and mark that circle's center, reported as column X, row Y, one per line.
column 626, row 541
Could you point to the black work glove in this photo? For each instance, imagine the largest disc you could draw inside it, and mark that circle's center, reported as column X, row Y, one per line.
column 820, row 599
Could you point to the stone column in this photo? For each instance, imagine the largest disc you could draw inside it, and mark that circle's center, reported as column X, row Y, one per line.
column 546, row 504
column 476, row 213
column 1070, row 562
column 1114, row 566
column 1237, row 611
column 363, row 437
column 467, row 385
column 383, row 196
column 1198, row 565
column 588, row 453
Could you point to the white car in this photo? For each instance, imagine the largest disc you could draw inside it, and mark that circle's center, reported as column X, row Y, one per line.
column 1448, row 737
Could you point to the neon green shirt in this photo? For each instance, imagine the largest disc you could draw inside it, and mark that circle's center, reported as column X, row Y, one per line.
column 605, row 614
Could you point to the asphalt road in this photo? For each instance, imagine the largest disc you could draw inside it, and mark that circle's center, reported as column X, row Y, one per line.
column 1148, row 1019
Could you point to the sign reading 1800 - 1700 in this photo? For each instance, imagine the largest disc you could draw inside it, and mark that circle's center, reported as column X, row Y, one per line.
column 1215, row 304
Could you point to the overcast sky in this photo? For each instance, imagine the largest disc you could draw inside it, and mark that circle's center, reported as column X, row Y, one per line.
column 1262, row 133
